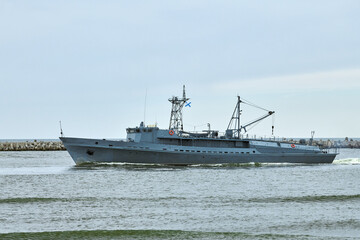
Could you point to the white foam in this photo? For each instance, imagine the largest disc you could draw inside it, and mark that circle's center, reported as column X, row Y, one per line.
column 347, row 161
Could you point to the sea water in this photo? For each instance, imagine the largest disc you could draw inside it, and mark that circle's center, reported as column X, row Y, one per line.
column 43, row 195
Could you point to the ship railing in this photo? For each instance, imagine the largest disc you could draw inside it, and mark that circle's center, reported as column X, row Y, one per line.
column 260, row 138
column 222, row 135
column 330, row 150
column 268, row 138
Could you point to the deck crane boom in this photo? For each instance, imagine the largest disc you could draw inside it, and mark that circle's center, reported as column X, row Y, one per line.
column 234, row 128
column 256, row 120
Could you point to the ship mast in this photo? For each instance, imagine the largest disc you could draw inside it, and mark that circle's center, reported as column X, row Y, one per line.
column 235, row 120
column 176, row 122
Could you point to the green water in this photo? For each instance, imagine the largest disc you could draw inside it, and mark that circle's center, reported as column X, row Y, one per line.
column 43, row 195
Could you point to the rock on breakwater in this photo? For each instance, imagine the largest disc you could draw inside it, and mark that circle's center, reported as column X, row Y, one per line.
column 32, row 146
column 329, row 143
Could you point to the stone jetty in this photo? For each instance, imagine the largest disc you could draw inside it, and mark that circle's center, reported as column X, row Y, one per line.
column 32, row 146
column 327, row 143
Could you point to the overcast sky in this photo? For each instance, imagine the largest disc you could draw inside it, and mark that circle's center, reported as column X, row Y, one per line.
column 90, row 63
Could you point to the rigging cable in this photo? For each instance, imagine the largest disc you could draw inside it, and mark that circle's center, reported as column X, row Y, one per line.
column 273, row 123
column 253, row 105
column 253, row 125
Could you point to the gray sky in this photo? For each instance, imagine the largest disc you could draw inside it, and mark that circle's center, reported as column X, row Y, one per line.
column 89, row 63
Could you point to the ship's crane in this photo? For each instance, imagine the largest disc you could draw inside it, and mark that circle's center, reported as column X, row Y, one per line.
column 234, row 128
column 257, row 120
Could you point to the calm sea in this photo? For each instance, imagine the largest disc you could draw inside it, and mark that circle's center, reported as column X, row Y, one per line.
column 43, row 195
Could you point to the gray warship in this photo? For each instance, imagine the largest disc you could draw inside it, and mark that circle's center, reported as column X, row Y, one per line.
column 174, row 146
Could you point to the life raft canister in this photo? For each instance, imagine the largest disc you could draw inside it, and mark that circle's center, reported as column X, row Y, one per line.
column 293, row 145
column 171, row 132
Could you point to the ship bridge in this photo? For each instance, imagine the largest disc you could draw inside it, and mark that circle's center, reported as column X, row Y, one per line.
column 142, row 133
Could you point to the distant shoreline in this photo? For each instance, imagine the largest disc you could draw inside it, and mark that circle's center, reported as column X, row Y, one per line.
column 56, row 145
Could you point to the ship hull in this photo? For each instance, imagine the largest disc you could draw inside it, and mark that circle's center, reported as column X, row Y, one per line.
column 90, row 150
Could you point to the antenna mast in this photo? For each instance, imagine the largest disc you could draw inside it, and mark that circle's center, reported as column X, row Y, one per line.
column 176, row 122
column 61, row 131
column 145, row 106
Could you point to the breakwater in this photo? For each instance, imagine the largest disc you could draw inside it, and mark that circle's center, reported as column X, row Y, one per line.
column 32, row 146
column 328, row 143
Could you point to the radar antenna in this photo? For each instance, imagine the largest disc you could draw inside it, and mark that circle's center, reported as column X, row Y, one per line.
column 176, row 122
